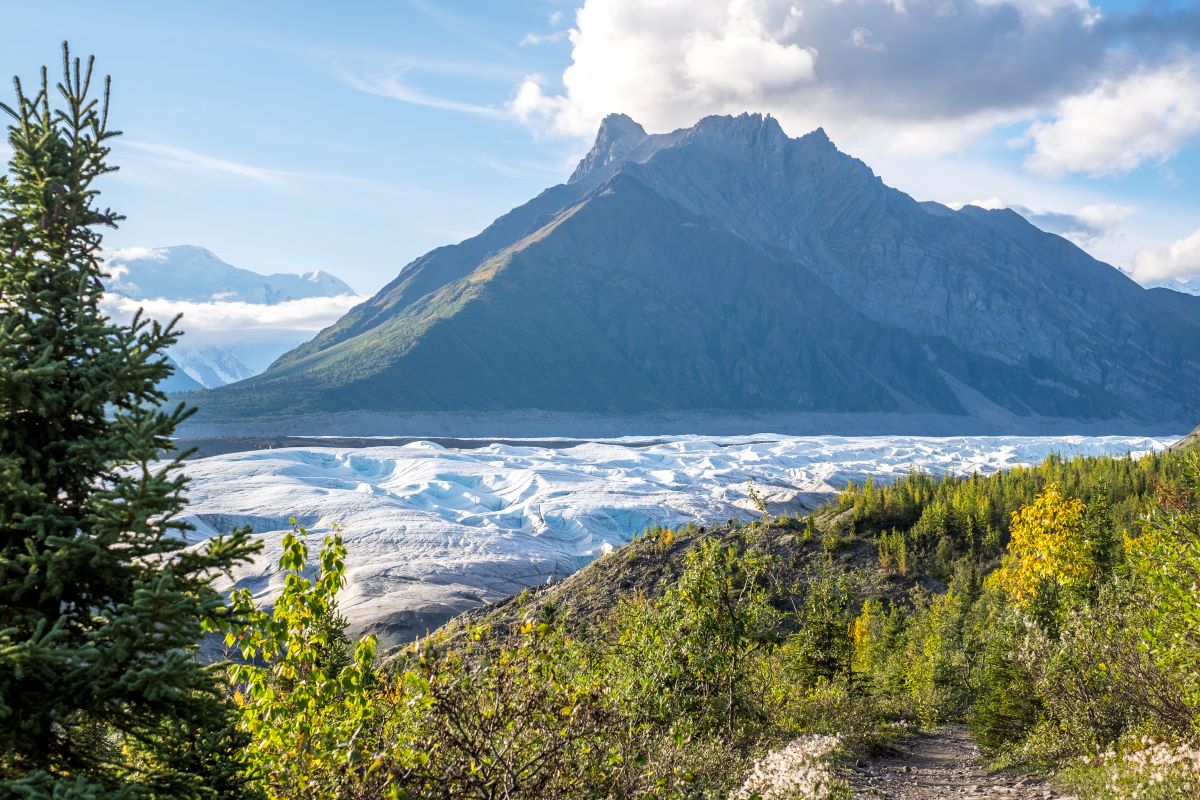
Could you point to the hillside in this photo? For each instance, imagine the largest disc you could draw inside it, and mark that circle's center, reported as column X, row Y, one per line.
column 1036, row 612
column 729, row 268
column 848, row 534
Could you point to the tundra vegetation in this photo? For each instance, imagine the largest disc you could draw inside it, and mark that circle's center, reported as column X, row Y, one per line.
column 1054, row 608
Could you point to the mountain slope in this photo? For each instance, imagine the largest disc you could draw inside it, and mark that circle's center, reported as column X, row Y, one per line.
column 729, row 268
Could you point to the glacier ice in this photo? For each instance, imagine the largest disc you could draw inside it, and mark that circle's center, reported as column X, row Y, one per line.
column 433, row 530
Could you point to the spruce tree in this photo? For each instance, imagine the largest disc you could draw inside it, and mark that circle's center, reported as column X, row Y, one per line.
column 101, row 605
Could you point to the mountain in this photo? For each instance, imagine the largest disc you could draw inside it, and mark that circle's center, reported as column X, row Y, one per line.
column 180, row 380
column 1183, row 285
column 190, row 273
column 728, row 269
column 229, row 332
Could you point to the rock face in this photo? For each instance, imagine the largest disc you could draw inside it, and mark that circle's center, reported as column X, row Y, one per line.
column 730, row 268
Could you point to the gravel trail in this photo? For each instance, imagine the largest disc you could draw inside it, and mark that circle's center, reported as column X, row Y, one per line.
column 942, row 764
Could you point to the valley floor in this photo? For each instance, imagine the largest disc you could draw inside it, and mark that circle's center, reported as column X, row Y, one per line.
column 942, row 764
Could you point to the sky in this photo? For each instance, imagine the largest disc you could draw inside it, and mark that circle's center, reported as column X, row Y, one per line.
column 353, row 137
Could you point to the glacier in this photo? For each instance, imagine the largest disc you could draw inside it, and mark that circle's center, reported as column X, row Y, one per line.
column 433, row 530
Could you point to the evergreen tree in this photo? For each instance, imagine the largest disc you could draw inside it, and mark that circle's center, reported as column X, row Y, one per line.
column 101, row 607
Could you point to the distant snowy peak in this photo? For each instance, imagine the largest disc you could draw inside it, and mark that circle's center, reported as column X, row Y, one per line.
column 194, row 274
column 220, row 346
column 1185, row 285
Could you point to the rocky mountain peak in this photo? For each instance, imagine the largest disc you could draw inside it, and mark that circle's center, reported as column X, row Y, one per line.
column 759, row 128
column 619, row 127
column 619, row 136
column 621, row 141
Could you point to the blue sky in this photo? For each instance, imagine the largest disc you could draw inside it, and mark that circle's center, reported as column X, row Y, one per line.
column 353, row 137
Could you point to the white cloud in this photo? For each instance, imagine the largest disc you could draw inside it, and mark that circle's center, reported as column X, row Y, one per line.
column 744, row 62
column 913, row 77
column 394, row 87
column 1180, row 260
column 1087, row 227
column 532, row 39
column 864, row 39
column 143, row 163
column 190, row 159
column 235, row 321
column 1121, row 123
column 991, row 204
column 675, row 56
column 136, row 254
column 226, row 341
column 1103, row 216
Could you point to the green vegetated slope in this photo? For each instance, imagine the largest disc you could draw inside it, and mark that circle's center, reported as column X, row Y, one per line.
column 728, row 268
column 1051, row 608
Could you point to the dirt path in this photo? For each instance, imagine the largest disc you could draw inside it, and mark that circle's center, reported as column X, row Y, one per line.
column 944, row 764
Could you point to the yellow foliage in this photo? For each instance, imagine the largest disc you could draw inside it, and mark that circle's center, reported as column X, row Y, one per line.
column 865, row 634
column 665, row 537
column 1048, row 545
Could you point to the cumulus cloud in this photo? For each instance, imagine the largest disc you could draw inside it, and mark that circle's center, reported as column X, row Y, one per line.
column 224, row 341
column 1122, row 122
column 882, row 75
column 136, row 254
column 532, row 39
column 1180, row 260
column 236, row 321
column 864, row 39
column 1086, row 227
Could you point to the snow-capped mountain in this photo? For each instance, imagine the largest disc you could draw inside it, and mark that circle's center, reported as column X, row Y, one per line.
column 1184, row 285
column 187, row 272
column 235, row 321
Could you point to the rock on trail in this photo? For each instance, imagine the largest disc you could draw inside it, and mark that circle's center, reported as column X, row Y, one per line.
column 943, row 764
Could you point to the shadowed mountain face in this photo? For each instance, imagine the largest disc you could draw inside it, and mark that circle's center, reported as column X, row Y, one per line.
column 727, row 267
